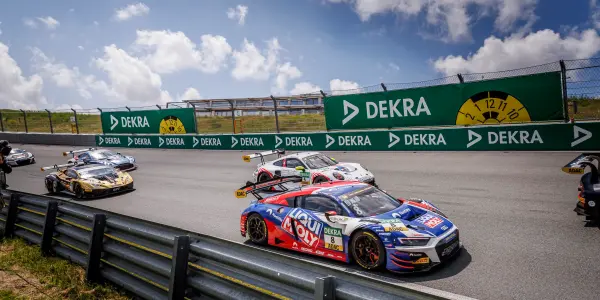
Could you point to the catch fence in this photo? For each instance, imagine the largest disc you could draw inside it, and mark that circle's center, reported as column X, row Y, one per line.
column 304, row 113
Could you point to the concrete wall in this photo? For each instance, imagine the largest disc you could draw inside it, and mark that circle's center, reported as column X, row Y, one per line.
column 49, row 139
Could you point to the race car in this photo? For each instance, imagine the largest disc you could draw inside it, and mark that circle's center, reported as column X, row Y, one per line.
column 589, row 185
column 321, row 167
column 349, row 221
column 87, row 181
column 20, row 157
column 104, row 157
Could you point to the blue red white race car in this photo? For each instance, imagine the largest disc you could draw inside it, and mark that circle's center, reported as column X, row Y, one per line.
column 349, row 221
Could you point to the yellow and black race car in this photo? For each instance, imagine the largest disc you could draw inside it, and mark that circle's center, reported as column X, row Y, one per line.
column 87, row 181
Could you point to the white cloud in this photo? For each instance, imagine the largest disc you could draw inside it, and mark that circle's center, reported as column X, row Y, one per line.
column 50, row 22
column 394, row 66
column 168, row 52
column 250, row 63
column 132, row 10
column 130, row 78
column 17, row 91
column 71, row 10
column 451, row 17
column 305, row 88
column 341, row 87
column 30, row 23
column 238, row 13
column 515, row 52
column 68, row 107
column 190, row 94
column 285, row 73
column 66, row 77
column 80, row 47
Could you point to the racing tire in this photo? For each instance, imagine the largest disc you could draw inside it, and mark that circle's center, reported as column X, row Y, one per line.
column 50, row 186
column 263, row 177
column 256, row 227
column 54, row 187
column 368, row 251
column 79, row 193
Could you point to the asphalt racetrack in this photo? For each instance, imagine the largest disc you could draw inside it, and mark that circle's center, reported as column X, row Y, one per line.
column 521, row 238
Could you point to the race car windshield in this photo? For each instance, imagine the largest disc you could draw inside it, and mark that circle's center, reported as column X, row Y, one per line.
column 319, row 161
column 369, row 201
column 102, row 155
column 98, row 173
column 17, row 151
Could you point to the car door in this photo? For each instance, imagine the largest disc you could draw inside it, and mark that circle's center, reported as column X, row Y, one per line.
column 317, row 236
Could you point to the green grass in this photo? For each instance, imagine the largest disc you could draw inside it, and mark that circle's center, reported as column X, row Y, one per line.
column 588, row 108
column 57, row 277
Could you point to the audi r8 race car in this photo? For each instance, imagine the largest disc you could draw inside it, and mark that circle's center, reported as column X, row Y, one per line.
column 87, row 181
column 321, row 167
column 589, row 185
column 104, row 157
column 19, row 157
column 349, row 221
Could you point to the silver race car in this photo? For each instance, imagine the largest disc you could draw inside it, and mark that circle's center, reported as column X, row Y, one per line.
column 103, row 157
column 20, row 157
column 315, row 165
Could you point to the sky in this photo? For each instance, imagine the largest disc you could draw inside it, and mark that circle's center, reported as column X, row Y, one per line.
column 66, row 54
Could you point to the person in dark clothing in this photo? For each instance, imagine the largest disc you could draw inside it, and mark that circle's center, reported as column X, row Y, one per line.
column 5, row 149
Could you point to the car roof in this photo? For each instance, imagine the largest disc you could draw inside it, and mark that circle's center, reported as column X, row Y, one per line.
column 89, row 167
column 300, row 155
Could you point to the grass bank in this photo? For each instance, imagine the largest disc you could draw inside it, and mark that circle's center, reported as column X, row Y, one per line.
column 26, row 274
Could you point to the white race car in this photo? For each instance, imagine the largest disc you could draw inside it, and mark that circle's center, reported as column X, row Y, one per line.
column 321, row 167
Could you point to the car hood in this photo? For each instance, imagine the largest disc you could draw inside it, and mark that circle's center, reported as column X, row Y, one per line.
column 117, row 160
column 416, row 219
column 349, row 170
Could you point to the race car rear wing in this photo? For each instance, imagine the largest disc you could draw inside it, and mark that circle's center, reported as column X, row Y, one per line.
column 56, row 167
column 578, row 165
column 73, row 152
column 264, row 187
column 248, row 158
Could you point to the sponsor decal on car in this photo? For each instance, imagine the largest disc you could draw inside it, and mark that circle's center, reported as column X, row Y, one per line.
column 394, row 227
column 333, row 239
column 308, row 228
column 430, row 220
column 450, row 248
column 272, row 214
column 422, row 260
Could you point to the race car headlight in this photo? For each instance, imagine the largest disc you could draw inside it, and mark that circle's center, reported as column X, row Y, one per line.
column 413, row 241
column 338, row 176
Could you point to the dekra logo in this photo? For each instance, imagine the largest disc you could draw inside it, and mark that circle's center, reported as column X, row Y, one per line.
column 129, row 122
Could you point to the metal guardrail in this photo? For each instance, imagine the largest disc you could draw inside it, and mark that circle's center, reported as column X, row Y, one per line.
column 154, row 261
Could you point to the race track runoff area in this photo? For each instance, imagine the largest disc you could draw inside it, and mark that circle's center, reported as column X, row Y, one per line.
column 515, row 210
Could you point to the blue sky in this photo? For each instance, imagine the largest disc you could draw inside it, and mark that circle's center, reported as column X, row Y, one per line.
column 112, row 53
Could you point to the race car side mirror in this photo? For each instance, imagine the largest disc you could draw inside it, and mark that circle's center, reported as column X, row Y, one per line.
column 299, row 168
column 329, row 214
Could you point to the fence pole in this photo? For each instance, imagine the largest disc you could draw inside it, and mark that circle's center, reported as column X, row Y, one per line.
column 25, row 119
column 325, row 288
column 460, row 78
column 195, row 118
column 2, row 121
column 563, row 73
column 276, row 114
column 92, row 271
column 232, row 115
column 76, row 121
column 48, row 230
column 50, row 120
column 383, row 87
column 177, row 282
column 101, row 127
column 11, row 216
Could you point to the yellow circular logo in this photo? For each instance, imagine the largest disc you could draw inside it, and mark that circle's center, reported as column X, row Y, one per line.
column 492, row 107
column 171, row 125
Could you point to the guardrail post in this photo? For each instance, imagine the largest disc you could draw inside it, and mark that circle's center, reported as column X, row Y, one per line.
column 325, row 288
column 48, row 230
column 232, row 115
column 11, row 216
column 76, row 121
column 50, row 120
column 25, row 119
column 92, row 271
column 276, row 114
column 177, row 282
